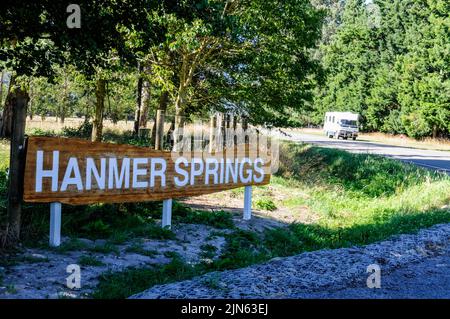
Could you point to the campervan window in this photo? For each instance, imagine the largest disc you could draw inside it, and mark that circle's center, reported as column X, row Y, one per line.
column 349, row 122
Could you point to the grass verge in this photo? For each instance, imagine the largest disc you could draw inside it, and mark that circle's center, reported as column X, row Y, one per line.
column 356, row 199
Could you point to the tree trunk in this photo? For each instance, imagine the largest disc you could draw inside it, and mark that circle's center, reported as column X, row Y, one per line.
column 153, row 133
column 234, row 121
column 97, row 128
column 19, row 102
column 30, row 100
column 63, row 107
column 1, row 90
column 137, row 114
column 435, row 131
column 159, row 134
column 6, row 127
column 179, row 128
column 212, row 133
column 159, row 123
column 145, row 101
column 246, row 137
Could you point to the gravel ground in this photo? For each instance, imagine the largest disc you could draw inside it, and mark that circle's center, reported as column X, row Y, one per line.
column 412, row 266
column 42, row 273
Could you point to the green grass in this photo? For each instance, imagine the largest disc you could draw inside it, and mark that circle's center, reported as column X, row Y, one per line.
column 208, row 251
column 212, row 282
column 218, row 219
column 265, row 203
column 116, row 285
column 71, row 245
column 90, row 261
column 357, row 199
column 138, row 249
column 107, row 248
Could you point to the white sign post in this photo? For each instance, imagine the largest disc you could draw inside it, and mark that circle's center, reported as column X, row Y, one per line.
column 247, row 202
column 55, row 224
column 167, row 214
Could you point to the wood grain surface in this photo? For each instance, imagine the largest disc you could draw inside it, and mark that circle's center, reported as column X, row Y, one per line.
column 82, row 149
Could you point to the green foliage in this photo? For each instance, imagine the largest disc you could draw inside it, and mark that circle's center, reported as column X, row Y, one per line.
column 265, row 203
column 138, row 249
column 89, row 261
column 394, row 72
column 362, row 175
column 97, row 227
column 242, row 248
column 71, row 245
column 83, row 131
column 208, row 251
column 282, row 242
column 218, row 219
column 349, row 214
column 123, row 284
column 106, row 248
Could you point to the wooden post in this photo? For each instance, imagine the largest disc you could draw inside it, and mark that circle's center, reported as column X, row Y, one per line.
column 179, row 132
column 159, row 129
column 16, row 166
column 212, row 133
column 223, row 131
column 247, row 202
column 1, row 90
column 55, row 225
column 137, row 114
column 167, row 214
column 97, row 125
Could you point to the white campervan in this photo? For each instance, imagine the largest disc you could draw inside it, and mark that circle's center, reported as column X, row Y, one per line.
column 341, row 124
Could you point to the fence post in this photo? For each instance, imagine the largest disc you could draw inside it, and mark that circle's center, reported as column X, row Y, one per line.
column 247, row 202
column 16, row 166
column 159, row 127
column 212, row 133
column 167, row 213
column 55, row 224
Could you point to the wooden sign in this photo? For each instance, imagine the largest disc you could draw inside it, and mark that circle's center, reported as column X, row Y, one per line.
column 75, row 171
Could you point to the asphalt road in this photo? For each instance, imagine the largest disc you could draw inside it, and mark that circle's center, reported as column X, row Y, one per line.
column 428, row 279
column 436, row 160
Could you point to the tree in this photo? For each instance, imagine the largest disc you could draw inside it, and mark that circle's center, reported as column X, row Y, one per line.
column 396, row 74
column 350, row 60
column 271, row 80
column 35, row 37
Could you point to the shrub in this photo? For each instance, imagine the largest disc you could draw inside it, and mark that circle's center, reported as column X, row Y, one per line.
column 265, row 203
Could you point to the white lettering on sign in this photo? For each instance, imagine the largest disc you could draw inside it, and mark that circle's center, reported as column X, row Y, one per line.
column 139, row 172
column 72, row 169
column 144, row 172
column 177, row 180
column 161, row 172
column 114, row 176
column 91, row 169
column 41, row 173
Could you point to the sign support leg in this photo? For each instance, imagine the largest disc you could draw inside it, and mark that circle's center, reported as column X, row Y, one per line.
column 167, row 213
column 247, row 202
column 55, row 224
